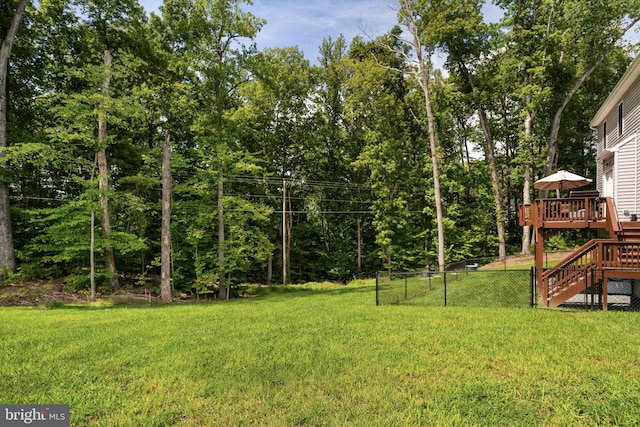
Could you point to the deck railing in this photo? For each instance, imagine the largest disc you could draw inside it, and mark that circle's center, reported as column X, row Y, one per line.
column 570, row 210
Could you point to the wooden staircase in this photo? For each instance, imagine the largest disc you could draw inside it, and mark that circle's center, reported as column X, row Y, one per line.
column 596, row 261
column 592, row 263
column 630, row 231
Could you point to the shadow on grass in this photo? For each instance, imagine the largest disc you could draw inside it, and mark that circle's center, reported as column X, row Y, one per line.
column 257, row 293
column 289, row 291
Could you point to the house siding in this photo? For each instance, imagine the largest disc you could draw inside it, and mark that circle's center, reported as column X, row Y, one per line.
column 626, row 178
column 599, row 174
column 626, row 149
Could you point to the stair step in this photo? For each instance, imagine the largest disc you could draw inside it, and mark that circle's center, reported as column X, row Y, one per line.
column 630, row 230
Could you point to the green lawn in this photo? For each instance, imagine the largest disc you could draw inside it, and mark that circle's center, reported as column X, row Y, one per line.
column 323, row 355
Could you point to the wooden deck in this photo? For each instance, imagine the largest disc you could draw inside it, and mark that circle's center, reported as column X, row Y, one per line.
column 616, row 257
column 589, row 212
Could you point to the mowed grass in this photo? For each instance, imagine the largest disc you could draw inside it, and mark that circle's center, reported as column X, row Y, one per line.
column 323, row 355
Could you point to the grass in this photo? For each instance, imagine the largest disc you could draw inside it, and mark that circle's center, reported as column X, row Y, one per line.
column 323, row 355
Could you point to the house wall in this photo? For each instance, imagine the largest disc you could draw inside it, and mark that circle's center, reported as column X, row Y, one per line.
column 625, row 151
column 627, row 179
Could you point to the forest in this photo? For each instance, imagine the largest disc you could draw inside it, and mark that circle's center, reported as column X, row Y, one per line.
column 166, row 147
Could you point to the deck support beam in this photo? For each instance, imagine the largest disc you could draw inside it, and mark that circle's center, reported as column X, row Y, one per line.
column 539, row 262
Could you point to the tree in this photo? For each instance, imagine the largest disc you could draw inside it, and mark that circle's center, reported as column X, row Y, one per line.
column 465, row 38
column 209, row 34
column 113, row 25
column 208, row 48
column 379, row 119
column 554, row 48
column 580, row 56
column 423, row 44
column 8, row 32
column 103, row 173
column 275, row 119
column 165, row 267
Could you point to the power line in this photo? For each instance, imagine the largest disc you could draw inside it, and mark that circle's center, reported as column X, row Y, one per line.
column 298, row 212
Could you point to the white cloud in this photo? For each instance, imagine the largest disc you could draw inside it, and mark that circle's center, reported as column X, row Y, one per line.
column 306, row 24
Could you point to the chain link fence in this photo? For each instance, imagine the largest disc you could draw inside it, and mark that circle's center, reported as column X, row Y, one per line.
column 585, row 288
column 469, row 287
column 472, row 287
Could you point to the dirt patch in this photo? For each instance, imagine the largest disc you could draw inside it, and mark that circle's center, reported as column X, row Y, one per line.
column 50, row 292
column 520, row 260
column 37, row 292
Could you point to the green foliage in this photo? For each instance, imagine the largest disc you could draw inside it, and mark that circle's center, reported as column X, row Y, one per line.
column 555, row 243
column 348, row 133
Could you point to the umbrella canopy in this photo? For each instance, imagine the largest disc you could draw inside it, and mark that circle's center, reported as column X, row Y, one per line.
column 561, row 180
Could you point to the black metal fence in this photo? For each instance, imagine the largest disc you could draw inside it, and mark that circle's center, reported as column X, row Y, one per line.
column 586, row 288
column 472, row 287
column 464, row 287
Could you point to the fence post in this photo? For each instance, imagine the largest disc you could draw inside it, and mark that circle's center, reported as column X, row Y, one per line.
column 377, row 289
column 532, row 275
column 406, row 289
column 444, row 275
column 586, row 287
column 594, row 289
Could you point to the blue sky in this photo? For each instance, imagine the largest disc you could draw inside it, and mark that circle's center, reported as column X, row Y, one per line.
column 306, row 23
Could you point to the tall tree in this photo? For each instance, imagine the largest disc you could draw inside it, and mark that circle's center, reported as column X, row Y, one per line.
column 553, row 48
column 578, row 56
column 465, row 38
column 165, row 254
column 423, row 43
column 275, row 115
column 113, row 25
column 9, row 23
column 211, row 43
column 103, row 173
column 390, row 150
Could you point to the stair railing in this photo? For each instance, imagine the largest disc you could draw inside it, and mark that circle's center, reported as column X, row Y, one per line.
column 596, row 254
column 613, row 222
column 569, row 270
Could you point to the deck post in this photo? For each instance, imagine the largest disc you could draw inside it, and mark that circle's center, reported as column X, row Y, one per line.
column 539, row 260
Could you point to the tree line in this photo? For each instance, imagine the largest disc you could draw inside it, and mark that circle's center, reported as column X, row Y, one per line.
column 169, row 146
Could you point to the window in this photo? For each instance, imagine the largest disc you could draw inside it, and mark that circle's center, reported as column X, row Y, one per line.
column 604, row 135
column 620, row 119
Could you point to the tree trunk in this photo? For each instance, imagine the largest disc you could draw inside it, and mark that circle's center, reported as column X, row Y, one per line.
column 433, row 143
column 407, row 14
column 289, row 228
column 284, row 234
column 103, row 184
column 502, row 246
column 221, row 276
column 526, row 190
column 92, row 258
column 7, row 256
column 269, row 269
column 165, row 250
column 359, row 244
column 497, row 196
